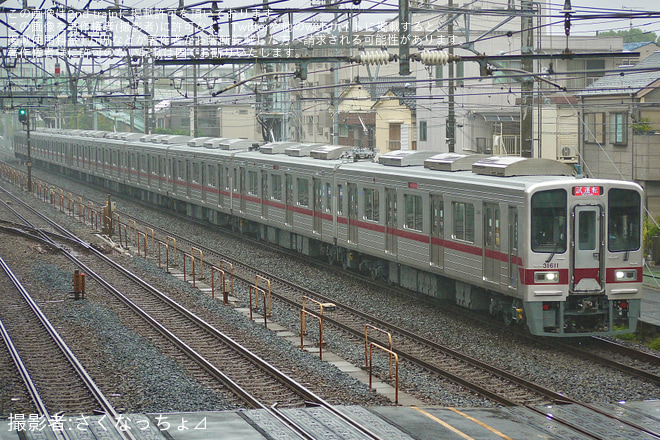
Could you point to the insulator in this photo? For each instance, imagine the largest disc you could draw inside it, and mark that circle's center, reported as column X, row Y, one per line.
column 432, row 57
column 373, row 57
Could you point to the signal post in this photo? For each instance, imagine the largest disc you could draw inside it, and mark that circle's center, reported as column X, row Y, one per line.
column 24, row 118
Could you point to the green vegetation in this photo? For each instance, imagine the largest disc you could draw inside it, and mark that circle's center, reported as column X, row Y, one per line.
column 631, row 36
column 651, row 229
column 653, row 344
column 643, row 126
column 181, row 131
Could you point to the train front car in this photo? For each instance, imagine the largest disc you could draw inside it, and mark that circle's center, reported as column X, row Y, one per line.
column 583, row 268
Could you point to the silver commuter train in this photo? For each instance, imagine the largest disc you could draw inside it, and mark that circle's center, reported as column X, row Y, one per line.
column 521, row 238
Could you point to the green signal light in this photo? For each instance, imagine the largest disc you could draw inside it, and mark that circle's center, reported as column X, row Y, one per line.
column 22, row 115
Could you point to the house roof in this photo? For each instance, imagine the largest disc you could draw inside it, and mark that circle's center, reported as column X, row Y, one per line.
column 401, row 86
column 620, row 82
column 630, row 47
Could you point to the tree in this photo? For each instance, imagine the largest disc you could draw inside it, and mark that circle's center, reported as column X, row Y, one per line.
column 633, row 35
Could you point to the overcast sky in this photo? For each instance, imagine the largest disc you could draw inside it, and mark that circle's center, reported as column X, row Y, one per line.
column 585, row 27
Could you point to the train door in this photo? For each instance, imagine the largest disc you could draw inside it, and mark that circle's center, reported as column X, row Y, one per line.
column 391, row 243
column 437, row 230
column 352, row 213
column 175, row 173
column 242, row 177
column 288, row 188
column 138, row 167
column 222, row 184
column 203, row 180
column 317, row 207
column 188, row 177
column 513, row 247
column 264, row 194
column 491, row 255
column 587, row 252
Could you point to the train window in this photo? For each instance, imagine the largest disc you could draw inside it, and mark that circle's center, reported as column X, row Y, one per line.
column 587, row 230
column 303, row 192
column 327, row 191
column 195, row 173
column 414, row 212
column 276, row 187
column 623, row 220
column 212, row 176
column 549, row 221
column 340, row 200
column 371, row 205
column 181, row 170
column 253, row 183
column 463, row 221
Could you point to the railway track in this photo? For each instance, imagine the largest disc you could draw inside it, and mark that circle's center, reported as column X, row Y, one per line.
column 425, row 353
column 492, row 382
column 478, row 376
column 255, row 381
column 56, row 380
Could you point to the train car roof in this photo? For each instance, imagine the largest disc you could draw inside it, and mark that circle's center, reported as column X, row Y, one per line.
column 493, row 171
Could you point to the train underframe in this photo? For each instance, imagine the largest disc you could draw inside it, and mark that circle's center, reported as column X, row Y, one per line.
column 579, row 315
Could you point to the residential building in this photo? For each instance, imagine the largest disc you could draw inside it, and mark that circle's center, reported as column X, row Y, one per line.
column 620, row 134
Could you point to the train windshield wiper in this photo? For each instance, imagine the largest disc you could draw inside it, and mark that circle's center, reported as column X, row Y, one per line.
column 554, row 251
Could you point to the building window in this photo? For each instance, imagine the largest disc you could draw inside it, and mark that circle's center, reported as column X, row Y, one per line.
column 371, row 205
column 463, row 221
column 422, row 130
column 618, row 128
column 460, row 73
column 439, row 75
column 414, row 212
column 594, row 128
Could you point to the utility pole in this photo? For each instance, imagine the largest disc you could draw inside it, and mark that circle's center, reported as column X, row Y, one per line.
column 451, row 111
column 404, row 37
column 527, row 86
column 194, row 130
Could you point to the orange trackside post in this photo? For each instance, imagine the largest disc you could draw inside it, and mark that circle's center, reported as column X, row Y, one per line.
column 231, row 274
column 366, row 343
column 396, row 357
column 303, row 315
column 256, row 284
column 184, row 267
column 148, row 230
column 222, row 280
column 201, row 261
column 144, row 238
column 173, row 240
column 256, row 291
column 132, row 226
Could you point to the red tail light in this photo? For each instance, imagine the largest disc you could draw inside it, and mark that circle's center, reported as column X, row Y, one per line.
column 546, row 306
column 623, row 305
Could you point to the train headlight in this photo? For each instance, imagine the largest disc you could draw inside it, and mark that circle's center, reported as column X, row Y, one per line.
column 549, row 277
column 625, row 275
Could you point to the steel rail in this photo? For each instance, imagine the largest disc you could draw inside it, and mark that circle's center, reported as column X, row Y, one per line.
column 299, row 388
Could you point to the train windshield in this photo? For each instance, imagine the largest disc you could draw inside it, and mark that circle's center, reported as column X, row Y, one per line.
column 549, row 221
column 623, row 220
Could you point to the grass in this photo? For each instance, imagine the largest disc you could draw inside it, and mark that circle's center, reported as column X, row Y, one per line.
column 650, row 343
